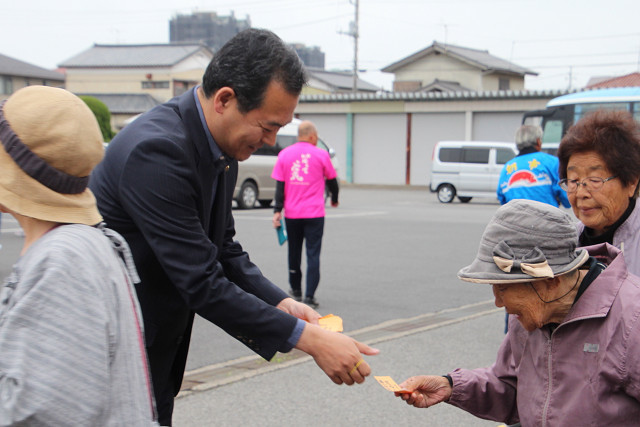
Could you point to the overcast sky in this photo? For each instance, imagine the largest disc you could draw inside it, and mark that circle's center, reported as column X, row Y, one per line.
column 565, row 41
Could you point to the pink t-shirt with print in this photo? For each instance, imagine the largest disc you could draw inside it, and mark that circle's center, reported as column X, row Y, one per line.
column 303, row 168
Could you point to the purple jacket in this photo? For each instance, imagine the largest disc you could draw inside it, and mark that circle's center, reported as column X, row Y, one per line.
column 586, row 373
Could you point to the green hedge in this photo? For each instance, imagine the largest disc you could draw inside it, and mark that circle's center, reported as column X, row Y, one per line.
column 103, row 115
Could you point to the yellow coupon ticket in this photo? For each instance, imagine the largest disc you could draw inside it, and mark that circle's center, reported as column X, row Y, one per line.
column 331, row 323
column 390, row 384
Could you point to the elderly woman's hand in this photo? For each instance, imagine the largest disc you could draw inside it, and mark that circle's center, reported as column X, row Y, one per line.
column 426, row 390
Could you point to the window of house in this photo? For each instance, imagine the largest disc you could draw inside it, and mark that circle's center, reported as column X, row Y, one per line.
column 180, row 87
column 504, row 83
column 149, row 84
column 6, row 85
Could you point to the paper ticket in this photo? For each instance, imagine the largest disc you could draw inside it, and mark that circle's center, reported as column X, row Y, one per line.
column 390, row 384
column 331, row 323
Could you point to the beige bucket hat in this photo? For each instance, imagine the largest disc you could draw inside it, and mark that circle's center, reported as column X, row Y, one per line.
column 49, row 144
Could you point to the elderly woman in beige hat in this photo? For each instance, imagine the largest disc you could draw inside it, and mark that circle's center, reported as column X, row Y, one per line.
column 572, row 358
column 71, row 346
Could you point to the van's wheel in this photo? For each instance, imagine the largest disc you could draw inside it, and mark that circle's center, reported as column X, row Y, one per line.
column 248, row 195
column 464, row 199
column 446, row 193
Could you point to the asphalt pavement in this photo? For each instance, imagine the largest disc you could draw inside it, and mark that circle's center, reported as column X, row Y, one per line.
column 300, row 394
column 387, row 253
column 389, row 260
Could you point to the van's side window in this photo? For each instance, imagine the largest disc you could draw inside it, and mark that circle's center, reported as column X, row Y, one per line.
column 464, row 155
column 267, row 150
column 450, row 155
column 475, row 155
column 283, row 141
column 503, row 156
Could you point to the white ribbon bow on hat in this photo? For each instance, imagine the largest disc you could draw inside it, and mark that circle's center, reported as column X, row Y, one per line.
column 533, row 263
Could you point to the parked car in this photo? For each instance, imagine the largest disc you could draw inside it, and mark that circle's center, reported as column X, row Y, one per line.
column 254, row 174
column 468, row 169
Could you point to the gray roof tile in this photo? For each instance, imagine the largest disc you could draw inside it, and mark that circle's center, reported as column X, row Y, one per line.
column 341, row 80
column 433, row 96
column 133, row 56
column 481, row 59
column 125, row 103
column 444, row 86
column 14, row 67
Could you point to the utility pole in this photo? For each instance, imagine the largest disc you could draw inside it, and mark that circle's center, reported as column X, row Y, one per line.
column 355, row 35
column 353, row 32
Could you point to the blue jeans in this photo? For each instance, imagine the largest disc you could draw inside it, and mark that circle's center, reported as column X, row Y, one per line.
column 309, row 231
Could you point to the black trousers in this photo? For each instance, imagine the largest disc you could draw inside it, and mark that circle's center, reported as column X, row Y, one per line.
column 309, row 231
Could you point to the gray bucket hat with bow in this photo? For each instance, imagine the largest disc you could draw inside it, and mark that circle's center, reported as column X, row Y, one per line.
column 524, row 241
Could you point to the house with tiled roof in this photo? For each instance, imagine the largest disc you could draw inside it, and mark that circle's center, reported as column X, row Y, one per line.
column 16, row 74
column 443, row 67
column 627, row 80
column 130, row 79
column 323, row 81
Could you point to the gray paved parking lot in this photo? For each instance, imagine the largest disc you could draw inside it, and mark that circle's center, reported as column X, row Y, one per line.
column 389, row 262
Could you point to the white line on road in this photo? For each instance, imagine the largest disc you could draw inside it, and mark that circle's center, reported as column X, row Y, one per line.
column 223, row 373
column 328, row 215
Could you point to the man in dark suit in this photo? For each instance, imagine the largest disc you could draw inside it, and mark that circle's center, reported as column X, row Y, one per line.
column 166, row 185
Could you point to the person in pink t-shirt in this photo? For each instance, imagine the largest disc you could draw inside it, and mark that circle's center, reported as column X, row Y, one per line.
column 300, row 172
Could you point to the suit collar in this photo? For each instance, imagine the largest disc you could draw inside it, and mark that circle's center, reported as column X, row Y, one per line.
column 193, row 125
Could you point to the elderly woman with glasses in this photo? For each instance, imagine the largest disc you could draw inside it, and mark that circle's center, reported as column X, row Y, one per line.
column 600, row 168
column 572, row 358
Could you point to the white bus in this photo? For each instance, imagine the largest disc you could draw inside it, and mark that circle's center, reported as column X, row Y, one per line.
column 563, row 111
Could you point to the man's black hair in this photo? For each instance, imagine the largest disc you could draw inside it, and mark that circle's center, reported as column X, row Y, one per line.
column 249, row 62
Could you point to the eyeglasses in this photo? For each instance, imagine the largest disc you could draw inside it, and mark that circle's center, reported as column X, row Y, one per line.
column 591, row 184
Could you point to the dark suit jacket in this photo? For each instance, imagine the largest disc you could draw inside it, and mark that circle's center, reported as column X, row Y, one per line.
column 155, row 188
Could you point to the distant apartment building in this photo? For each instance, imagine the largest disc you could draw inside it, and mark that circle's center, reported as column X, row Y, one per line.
column 206, row 27
column 310, row 56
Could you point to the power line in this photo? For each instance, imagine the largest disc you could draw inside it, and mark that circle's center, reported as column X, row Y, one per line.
column 619, row 64
column 307, row 23
column 575, row 56
column 568, row 39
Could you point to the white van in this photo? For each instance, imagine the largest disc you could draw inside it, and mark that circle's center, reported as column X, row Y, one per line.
column 468, row 168
column 254, row 174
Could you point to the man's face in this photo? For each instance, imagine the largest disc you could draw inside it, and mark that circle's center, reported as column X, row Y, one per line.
column 241, row 134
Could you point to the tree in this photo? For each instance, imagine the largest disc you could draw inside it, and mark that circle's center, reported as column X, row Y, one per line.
column 103, row 116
